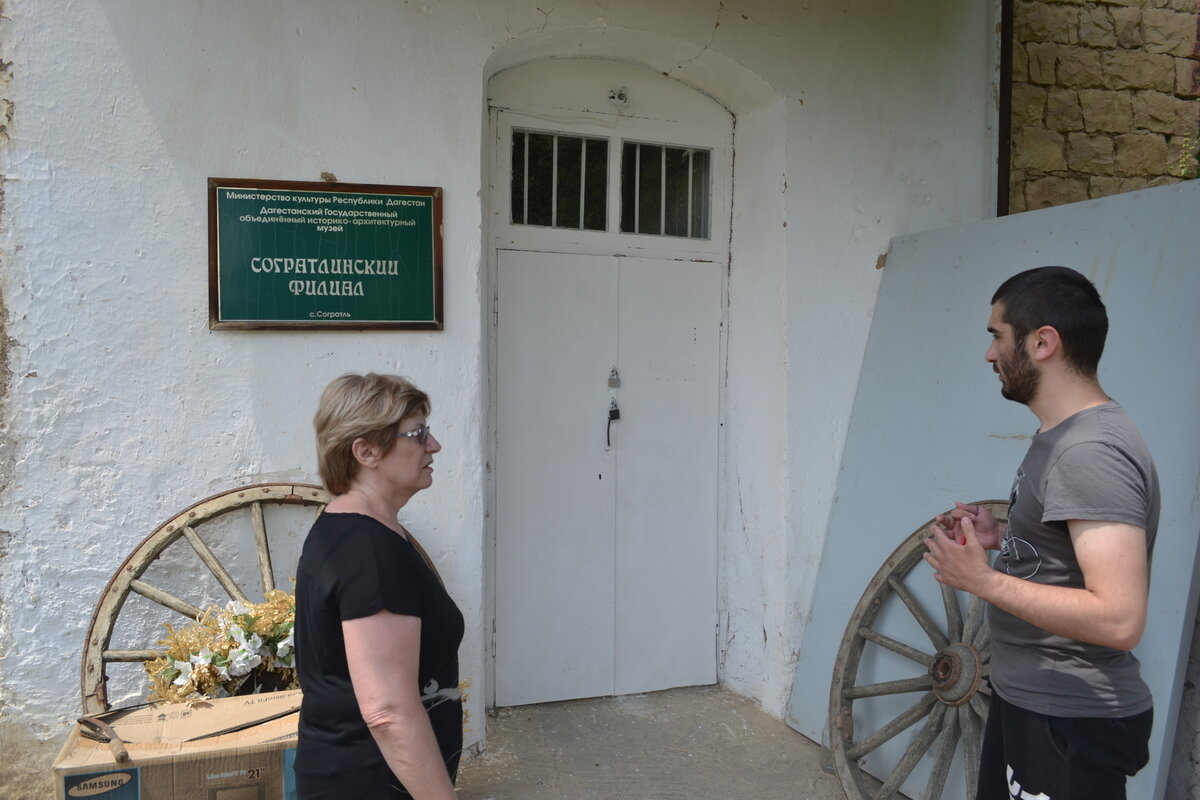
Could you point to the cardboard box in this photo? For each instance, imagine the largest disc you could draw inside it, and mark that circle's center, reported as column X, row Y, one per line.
column 235, row 748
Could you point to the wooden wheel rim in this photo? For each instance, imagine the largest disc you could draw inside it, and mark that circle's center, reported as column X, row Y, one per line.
column 96, row 652
column 953, row 701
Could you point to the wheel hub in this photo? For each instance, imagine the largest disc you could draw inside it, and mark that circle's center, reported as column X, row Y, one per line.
column 955, row 672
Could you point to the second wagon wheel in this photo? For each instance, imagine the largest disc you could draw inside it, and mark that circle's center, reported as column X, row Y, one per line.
column 922, row 673
column 200, row 563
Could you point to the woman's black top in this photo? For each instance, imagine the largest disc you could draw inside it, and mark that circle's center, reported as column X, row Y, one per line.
column 353, row 566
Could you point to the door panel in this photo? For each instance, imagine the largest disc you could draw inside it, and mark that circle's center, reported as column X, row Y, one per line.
column 605, row 556
column 556, row 340
column 666, row 444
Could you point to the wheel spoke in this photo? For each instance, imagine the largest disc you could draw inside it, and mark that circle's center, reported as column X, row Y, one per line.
column 924, row 659
column 916, row 749
column 934, row 633
column 893, row 728
column 131, row 656
column 979, row 705
column 954, row 619
column 972, row 727
column 165, row 599
column 974, row 627
column 264, row 551
column 903, row 686
column 945, row 754
column 214, row 565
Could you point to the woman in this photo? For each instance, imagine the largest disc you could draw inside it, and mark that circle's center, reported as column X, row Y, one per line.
column 377, row 635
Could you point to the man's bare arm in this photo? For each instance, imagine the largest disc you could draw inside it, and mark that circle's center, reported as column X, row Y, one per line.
column 1111, row 608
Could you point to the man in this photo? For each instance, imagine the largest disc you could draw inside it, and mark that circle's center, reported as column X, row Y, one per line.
column 1070, row 715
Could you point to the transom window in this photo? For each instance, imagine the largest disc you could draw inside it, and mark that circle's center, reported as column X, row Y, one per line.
column 561, row 181
column 664, row 190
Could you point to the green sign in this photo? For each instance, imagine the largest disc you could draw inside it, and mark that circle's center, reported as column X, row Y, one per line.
column 292, row 254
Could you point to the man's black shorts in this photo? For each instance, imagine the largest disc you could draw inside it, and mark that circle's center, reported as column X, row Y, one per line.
column 1030, row 755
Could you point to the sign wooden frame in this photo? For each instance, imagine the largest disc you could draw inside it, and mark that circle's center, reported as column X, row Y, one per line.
column 315, row 255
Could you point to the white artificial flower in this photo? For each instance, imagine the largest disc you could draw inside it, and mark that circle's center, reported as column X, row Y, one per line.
column 245, row 656
column 245, row 641
column 241, row 661
column 205, row 656
column 283, row 650
column 185, row 672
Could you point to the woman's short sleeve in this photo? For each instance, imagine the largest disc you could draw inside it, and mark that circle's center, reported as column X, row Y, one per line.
column 375, row 572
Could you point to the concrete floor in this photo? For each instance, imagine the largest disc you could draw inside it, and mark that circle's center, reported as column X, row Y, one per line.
column 682, row 744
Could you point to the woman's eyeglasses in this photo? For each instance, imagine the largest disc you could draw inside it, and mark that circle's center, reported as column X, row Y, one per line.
column 421, row 434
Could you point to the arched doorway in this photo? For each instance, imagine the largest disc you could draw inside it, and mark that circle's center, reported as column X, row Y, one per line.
column 608, row 247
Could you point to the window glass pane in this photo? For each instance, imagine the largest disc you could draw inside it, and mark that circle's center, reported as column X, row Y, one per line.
column 595, row 190
column 518, row 177
column 628, row 187
column 665, row 190
column 700, row 193
column 541, row 178
column 570, row 150
column 678, row 193
column 559, row 181
column 649, row 189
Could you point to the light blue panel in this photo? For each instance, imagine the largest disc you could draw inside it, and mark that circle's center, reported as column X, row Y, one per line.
column 289, row 774
column 929, row 425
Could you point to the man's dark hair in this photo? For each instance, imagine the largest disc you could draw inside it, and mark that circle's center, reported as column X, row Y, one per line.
column 1066, row 301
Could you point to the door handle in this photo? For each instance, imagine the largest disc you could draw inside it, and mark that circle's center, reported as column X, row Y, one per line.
column 614, row 413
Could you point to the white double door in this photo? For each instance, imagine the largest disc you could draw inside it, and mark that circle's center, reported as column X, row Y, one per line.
column 605, row 571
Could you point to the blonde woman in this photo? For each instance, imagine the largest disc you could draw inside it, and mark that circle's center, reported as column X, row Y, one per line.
column 377, row 635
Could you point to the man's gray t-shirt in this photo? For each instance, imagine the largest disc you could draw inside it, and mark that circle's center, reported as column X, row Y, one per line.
column 1091, row 466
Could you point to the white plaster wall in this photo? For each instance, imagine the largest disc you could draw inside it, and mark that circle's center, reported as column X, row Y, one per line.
column 753, row 600
column 913, row 150
column 124, row 407
column 856, row 122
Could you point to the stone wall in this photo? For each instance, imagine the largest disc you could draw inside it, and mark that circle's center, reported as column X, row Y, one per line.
column 1105, row 98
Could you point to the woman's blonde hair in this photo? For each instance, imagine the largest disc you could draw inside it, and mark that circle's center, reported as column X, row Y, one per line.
column 369, row 406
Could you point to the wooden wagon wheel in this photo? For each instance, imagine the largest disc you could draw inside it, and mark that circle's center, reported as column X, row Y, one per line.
column 946, row 681
column 183, row 527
